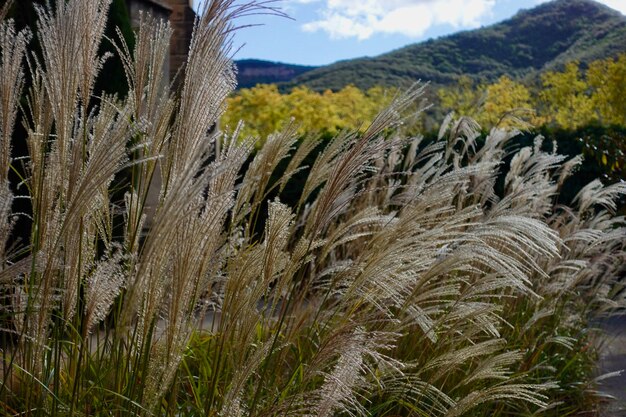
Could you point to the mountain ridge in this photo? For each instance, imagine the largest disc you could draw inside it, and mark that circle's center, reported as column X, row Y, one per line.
column 533, row 40
column 257, row 71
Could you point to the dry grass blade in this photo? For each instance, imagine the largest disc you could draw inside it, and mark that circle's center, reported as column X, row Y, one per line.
column 402, row 281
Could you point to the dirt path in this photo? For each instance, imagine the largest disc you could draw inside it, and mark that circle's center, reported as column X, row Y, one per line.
column 613, row 358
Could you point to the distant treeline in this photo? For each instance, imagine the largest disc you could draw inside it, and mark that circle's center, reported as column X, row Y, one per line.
column 570, row 99
column 584, row 104
column 265, row 110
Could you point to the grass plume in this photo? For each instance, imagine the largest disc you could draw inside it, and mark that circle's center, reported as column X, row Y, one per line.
column 399, row 280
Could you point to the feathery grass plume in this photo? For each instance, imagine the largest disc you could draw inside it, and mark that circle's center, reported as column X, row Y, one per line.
column 208, row 79
column 68, row 170
column 102, row 288
column 232, row 405
column 207, row 73
column 87, row 206
column 527, row 393
column 404, row 229
column 196, row 257
column 12, row 51
column 352, row 163
column 152, row 111
column 183, row 242
column 595, row 195
column 326, row 159
column 305, row 147
column 70, row 36
column 400, row 283
column 254, row 186
column 338, row 394
column 144, row 71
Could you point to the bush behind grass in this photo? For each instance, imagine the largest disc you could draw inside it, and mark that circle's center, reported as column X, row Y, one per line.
column 399, row 281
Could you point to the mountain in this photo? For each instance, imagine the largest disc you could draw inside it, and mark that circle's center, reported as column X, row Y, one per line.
column 254, row 71
column 541, row 38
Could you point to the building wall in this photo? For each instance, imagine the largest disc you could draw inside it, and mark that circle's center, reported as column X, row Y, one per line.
column 157, row 8
column 181, row 17
column 182, row 20
column 137, row 7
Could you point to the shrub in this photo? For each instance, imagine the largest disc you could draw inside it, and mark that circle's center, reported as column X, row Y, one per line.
column 397, row 283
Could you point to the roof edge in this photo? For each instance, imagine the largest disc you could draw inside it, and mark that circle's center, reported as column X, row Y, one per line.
column 159, row 3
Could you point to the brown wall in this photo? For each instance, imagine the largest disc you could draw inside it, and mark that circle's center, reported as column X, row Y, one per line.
column 181, row 19
column 135, row 8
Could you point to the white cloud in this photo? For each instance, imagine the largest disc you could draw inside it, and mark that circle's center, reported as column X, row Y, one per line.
column 619, row 5
column 364, row 18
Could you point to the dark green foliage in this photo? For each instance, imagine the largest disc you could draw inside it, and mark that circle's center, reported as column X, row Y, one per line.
column 606, row 148
column 544, row 37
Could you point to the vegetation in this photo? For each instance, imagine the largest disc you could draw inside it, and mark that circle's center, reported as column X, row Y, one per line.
column 570, row 99
column 398, row 282
column 575, row 104
column 266, row 110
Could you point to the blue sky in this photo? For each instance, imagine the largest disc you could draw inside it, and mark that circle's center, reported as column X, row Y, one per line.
column 324, row 31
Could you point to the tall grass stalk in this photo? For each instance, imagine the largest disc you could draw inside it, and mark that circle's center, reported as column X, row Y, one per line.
column 161, row 276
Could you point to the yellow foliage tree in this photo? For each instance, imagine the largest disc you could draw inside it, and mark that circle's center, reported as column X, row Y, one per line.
column 263, row 109
column 506, row 98
column 566, row 97
column 312, row 111
column 352, row 107
column 355, row 108
column 570, row 98
column 607, row 78
column 490, row 105
column 464, row 98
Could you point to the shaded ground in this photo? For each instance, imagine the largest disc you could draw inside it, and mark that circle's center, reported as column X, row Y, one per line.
column 613, row 358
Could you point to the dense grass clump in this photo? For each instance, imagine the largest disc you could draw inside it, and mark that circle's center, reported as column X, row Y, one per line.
column 397, row 282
